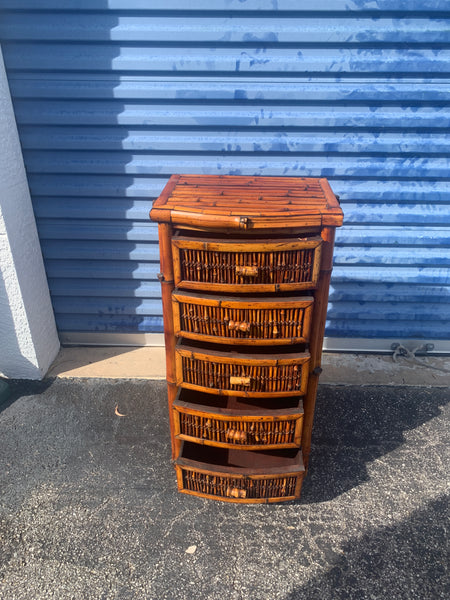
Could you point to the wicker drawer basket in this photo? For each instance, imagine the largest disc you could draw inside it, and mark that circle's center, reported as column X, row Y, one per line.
column 231, row 421
column 236, row 373
column 239, row 475
column 251, row 266
column 256, row 320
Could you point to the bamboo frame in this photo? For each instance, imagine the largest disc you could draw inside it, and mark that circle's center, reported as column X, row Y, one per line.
column 317, row 332
column 243, row 255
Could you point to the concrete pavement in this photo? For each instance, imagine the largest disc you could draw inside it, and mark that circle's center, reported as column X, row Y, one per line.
column 89, row 507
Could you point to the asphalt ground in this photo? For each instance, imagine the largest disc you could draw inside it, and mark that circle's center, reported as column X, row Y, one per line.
column 89, row 507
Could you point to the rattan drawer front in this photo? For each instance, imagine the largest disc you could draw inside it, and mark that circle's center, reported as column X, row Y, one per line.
column 242, row 374
column 253, row 266
column 239, row 489
column 232, row 422
column 248, row 321
column 252, row 477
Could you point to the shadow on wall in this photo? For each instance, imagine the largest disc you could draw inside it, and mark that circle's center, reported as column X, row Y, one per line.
column 354, row 426
column 405, row 560
column 80, row 127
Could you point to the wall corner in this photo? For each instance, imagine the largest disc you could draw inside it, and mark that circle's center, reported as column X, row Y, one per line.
column 29, row 339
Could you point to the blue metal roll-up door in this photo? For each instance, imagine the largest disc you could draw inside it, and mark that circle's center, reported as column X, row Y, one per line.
column 113, row 96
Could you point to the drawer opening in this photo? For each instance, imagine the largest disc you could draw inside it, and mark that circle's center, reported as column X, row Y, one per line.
column 239, row 475
column 244, row 235
column 289, row 460
column 237, row 351
column 243, row 296
column 237, row 405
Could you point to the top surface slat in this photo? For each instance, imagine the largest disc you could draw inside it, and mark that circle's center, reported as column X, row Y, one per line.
column 187, row 196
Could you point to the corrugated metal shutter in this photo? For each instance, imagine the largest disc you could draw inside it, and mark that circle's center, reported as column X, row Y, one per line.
column 111, row 97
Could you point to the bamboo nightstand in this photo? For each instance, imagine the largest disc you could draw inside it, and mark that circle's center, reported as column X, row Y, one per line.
column 245, row 272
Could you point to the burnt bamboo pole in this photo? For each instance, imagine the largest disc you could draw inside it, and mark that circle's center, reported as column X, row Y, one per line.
column 316, row 340
column 167, row 285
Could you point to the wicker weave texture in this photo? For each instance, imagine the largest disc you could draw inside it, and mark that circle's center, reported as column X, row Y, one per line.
column 242, row 378
column 243, row 488
column 262, row 324
column 238, row 433
column 240, row 268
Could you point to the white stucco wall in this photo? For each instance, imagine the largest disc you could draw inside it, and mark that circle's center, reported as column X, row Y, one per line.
column 28, row 337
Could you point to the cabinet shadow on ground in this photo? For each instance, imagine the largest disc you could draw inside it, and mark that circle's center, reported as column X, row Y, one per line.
column 405, row 560
column 354, row 425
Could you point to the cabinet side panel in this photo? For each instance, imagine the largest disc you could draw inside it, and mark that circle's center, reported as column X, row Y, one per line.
column 316, row 340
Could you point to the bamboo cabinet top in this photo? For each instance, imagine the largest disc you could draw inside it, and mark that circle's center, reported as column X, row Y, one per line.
column 247, row 203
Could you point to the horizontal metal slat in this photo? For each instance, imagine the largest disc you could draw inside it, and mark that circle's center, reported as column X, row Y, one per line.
column 266, row 29
column 324, row 6
column 330, row 344
column 133, row 164
column 119, row 323
column 398, row 214
column 426, row 330
column 102, row 269
column 69, row 229
column 393, row 274
column 100, row 250
column 256, row 89
column 71, row 187
column 111, row 288
column 390, row 311
column 107, row 306
column 392, row 236
column 120, row 138
column 379, row 255
column 116, row 58
column 86, row 207
column 352, row 291
column 314, row 117
column 392, row 191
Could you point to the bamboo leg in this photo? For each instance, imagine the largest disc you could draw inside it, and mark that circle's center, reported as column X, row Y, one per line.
column 167, row 286
column 172, row 389
column 317, row 331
